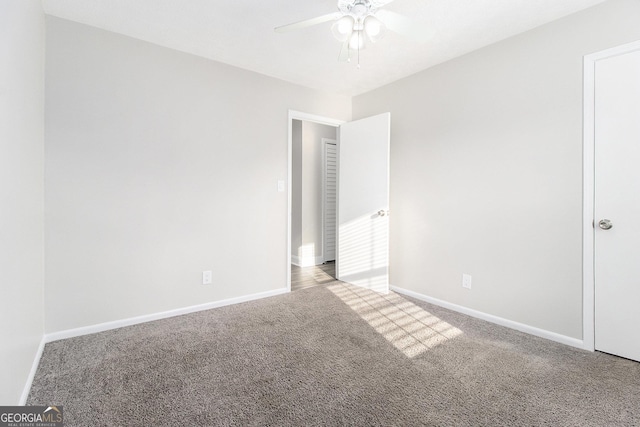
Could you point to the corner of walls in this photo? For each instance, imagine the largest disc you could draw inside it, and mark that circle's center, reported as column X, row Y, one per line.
column 32, row 373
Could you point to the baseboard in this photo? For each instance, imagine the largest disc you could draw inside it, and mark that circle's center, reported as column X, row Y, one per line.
column 542, row 333
column 101, row 327
column 32, row 373
column 308, row 261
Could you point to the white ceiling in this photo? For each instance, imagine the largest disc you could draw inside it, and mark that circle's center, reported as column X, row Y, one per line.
column 240, row 33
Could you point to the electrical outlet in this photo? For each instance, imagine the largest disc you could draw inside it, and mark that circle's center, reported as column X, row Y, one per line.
column 466, row 281
column 207, row 277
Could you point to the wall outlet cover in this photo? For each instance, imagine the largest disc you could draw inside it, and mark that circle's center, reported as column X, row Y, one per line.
column 466, row 281
column 207, row 277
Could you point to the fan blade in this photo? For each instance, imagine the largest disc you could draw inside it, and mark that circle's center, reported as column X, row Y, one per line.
column 403, row 25
column 344, row 52
column 308, row 22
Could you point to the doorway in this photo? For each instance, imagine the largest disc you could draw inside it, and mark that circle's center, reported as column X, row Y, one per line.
column 362, row 228
column 611, row 207
column 310, row 223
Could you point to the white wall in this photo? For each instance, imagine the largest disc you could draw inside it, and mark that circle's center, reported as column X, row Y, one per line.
column 486, row 170
column 21, row 192
column 160, row 165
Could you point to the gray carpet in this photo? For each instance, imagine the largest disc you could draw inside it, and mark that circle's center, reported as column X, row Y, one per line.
column 332, row 355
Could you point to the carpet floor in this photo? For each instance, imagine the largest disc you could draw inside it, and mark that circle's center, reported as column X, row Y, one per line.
column 332, row 355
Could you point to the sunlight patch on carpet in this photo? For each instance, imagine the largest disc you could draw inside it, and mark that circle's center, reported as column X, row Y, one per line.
column 408, row 327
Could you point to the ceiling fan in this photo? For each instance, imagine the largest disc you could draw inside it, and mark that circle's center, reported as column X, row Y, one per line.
column 358, row 21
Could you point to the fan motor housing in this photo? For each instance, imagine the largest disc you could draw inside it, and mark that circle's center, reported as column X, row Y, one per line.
column 356, row 8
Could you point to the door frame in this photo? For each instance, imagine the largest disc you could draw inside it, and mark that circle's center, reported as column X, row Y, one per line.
column 588, row 179
column 305, row 117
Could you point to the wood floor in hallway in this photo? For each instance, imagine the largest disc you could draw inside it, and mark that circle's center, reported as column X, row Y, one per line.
column 307, row 277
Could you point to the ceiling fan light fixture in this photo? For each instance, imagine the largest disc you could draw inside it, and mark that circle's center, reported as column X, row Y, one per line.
column 374, row 28
column 356, row 42
column 354, row 22
column 343, row 28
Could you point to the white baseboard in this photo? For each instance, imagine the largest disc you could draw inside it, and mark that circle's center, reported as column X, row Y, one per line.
column 563, row 339
column 308, row 261
column 32, row 373
column 92, row 329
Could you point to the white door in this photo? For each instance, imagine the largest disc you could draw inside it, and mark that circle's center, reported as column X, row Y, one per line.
column 329, row 205
column 363, row 203
column 617, row 205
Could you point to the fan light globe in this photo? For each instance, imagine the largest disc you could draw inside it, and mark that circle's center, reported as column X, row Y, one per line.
column 356, row 42
column 373, row 28
column 343, row 28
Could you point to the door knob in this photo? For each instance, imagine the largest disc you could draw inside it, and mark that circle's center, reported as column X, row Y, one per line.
column 382, row 212
column 605, row 224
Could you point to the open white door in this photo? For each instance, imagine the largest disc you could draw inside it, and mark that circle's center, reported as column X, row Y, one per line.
column 617, row 204
column 363, row 203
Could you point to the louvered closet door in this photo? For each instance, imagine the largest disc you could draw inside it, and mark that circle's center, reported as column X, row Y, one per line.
column 330, row 212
